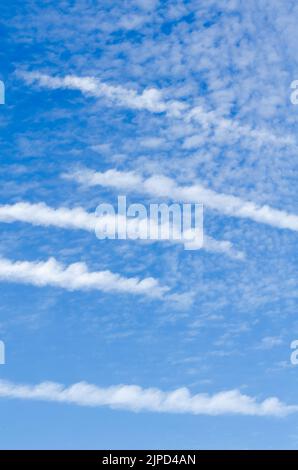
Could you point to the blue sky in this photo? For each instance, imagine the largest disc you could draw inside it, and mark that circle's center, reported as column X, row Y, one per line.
column 126, row 344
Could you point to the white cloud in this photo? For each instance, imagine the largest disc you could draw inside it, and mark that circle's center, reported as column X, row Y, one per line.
column 162, row 186
column 213, row 124
column 270, row 342
column 41, row 214
column 135, row 398
column 222, row 246
column 78, row 218
column 76, row 277
column 227, row 128
column 147, row 4
column 132, row 21
column 152, row 142
column 150, row 99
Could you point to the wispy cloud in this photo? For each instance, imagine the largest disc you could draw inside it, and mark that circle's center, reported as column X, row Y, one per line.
column 270, row 342
column 137, row 399
column 162, row 186
column 77, row 218
column 212, row 123
column 76, row 277
column 150, row 99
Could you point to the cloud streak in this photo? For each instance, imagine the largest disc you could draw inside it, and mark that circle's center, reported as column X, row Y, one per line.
column 76, row 277
column 152, row 100
column 162, row 186
column 137, row 399
column 78, row 219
